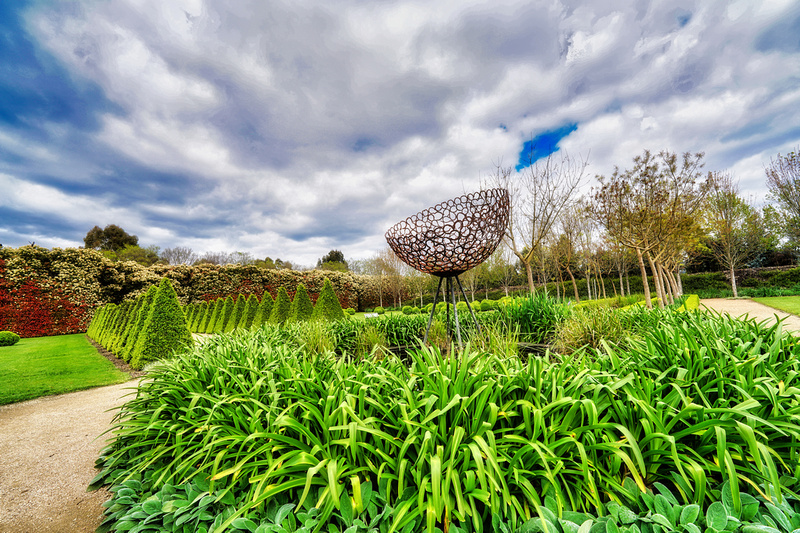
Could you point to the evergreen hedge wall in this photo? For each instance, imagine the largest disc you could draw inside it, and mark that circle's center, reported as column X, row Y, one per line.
column 53, row 292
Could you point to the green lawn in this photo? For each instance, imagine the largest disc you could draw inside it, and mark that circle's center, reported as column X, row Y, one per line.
column 53, row 365
column 789, row 304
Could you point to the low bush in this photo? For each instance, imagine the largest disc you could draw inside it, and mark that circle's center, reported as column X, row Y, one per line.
column 407, row 310
column 350, row 311
column 8, row 338
column 380, row 310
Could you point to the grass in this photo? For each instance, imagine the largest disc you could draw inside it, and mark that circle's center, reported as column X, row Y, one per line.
column 53, row 365
column 790, row 304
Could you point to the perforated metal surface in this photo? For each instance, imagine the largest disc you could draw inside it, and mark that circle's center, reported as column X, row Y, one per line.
column 453, row 236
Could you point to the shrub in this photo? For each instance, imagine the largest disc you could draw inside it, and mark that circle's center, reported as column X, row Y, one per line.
column 224, row 315
column 476, row 305
column 407, row 310
column 350, row 311
column 236, row 315
column 165, row 330
column 301, row 308
column 380, row 310
column 462, row 308
column 214, row 309
column 281, row 307
column 250, row 310
column 137, row 326
column 264, row 310
column 328, row 306
column 8, row 338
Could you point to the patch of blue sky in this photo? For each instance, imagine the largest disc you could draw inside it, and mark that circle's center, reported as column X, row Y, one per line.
column 543, row 145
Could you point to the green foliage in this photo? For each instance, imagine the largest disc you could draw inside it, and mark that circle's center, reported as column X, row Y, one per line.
column 249, row 314
column 302, row 308
column 112, row 237
column 691, row 303
column 164, row 331
column 350, row 311
column 236, row 315
column 380, row 310
column 142, row 311
column 281, row 308
column 328, row 306
column 407, row 310
column 224, row 315
column 8, row 338
column 213, row 315
column 264, row 311
column 537, row 316
column 198, row 321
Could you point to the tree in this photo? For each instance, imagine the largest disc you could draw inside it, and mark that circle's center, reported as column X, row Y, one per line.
column 651, row 208
column 249, row 314
column 327, row 306
column 302, row 308
column 333, row 260
column 280, row 309
column 539, row 195
column 264, row 311
column 236, row 315
column 179, row 255
column 734, row 225
column 112, row 237
column 144, row 256
column 783, row 181
column 164, row 330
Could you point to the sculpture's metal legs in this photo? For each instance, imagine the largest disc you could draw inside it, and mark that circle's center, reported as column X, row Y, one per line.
column 433, row 311
column 450, row 293
column 471, row 310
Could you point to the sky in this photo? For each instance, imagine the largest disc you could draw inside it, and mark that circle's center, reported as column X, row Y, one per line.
column 288, row 129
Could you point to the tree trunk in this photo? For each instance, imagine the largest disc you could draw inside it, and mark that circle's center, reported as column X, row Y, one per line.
column 679, row 280
column 656, row 281
column 574, row 286
column 603, row 283
column 646, row 285
column 621, row 287
column 628, row 283
column 733, row 283
column 529, row 272
column 588, row 284
column 671, row 292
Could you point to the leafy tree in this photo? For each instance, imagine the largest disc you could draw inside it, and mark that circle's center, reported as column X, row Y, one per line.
column 144, row 256
column 164, row 331
column 327, row 306
column 301, row 308
column 333, row 260
column 783, row 181
column 280, row 310
column 735, row 227
column 112, row 237
column 264, row 310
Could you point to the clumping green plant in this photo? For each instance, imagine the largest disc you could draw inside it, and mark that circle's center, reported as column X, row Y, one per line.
column 380, row 310
column 302, row 308
column 328, row 306
column 350, row 311
column 8, row 338
column 281, row 307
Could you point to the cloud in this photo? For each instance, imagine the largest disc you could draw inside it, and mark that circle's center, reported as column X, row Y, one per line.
column 293, row 129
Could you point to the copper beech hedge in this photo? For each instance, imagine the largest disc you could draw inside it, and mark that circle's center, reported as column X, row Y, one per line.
column 54, row 292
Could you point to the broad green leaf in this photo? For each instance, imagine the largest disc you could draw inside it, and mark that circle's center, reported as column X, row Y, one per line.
column 716, row 516
column 689, row 514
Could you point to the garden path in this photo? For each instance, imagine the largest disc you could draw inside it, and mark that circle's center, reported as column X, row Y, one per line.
column 48, row 447
column 740, row 307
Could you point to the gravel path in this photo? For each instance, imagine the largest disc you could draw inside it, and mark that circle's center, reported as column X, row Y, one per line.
column 48, row 447
column 751, row 309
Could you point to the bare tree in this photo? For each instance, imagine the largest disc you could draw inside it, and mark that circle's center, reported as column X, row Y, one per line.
column 179, row 255
column 539, row 195
column 734, row 227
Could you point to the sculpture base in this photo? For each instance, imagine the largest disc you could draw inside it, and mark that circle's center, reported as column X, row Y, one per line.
column 450, row 291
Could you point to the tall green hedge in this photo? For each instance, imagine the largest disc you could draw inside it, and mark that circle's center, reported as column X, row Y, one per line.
column 213, row 315
column 264, row 311
column 164, row 331
column 281, row 307
column 138, row 325
column 250, row 310
column 302, row 308
column 236, row 314
column 328, row 306
column 224, row 315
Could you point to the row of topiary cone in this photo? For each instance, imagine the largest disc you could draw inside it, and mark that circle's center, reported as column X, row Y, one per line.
column 146, row 329
column 247, row 312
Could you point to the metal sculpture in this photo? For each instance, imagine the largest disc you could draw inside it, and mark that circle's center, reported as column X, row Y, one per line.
column 450, row 238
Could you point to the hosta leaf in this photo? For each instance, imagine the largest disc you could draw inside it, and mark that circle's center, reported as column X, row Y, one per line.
column 151, row 506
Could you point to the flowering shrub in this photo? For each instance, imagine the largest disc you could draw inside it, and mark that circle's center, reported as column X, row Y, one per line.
column 53, row 292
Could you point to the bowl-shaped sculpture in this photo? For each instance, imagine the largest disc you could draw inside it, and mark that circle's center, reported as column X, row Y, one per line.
column 453, row 236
